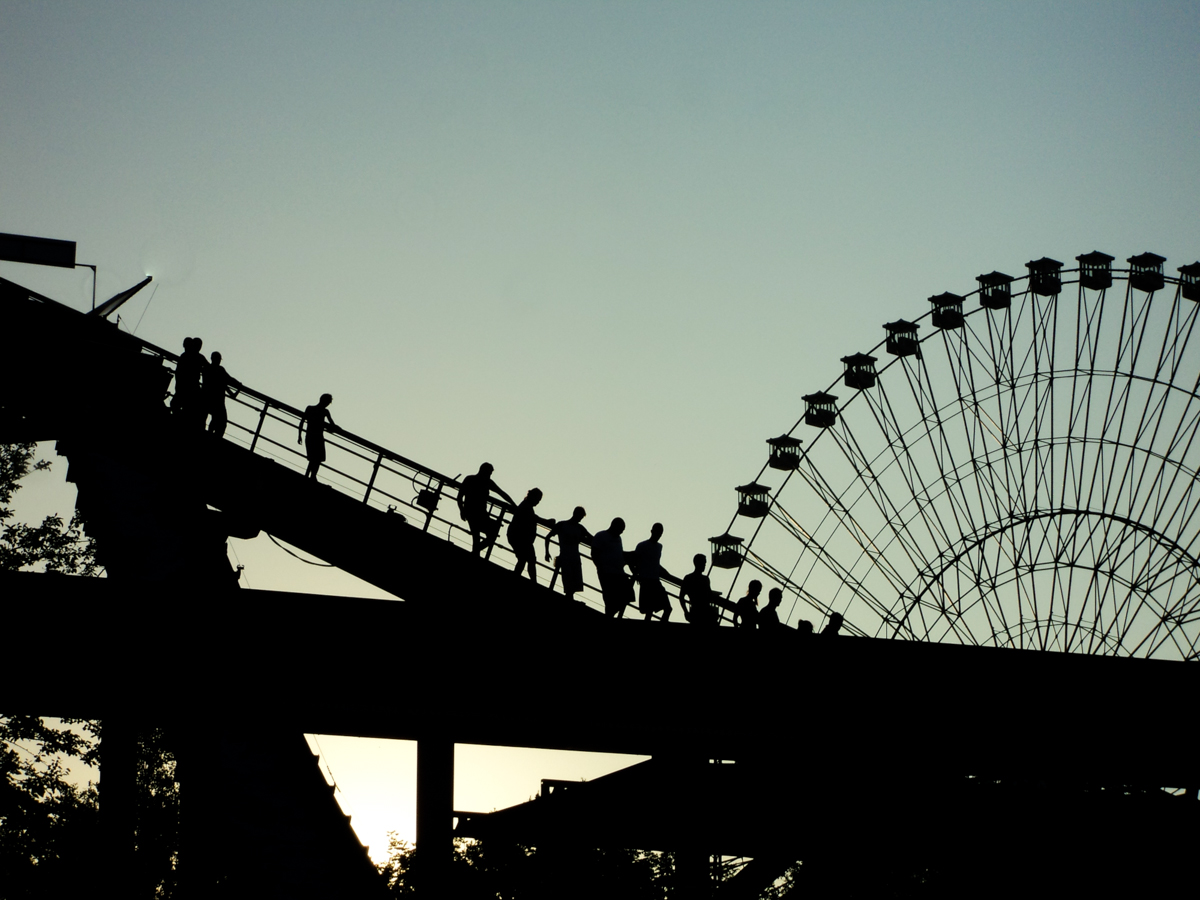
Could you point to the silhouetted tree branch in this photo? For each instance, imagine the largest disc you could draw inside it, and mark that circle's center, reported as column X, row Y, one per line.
column 50, row 546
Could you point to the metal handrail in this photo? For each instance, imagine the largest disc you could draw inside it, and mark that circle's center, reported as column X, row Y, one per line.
column 256, row 419
column 251, row 424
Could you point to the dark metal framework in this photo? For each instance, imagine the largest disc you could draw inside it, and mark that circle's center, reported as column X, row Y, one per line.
column 1025, row 480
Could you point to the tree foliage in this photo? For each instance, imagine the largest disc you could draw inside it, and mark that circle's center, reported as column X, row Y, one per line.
column 157, row 829
column 50, row 546
column 48, row 821
column 49, row 815
column 501, row 870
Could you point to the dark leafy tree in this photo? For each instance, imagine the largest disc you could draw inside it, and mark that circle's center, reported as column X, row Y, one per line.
column 157, row 829
column 50, row 546
column 48, row 821
column 501, row 870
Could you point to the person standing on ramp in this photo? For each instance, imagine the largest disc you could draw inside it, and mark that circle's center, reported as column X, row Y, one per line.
column 570, row 534
column 314, row 442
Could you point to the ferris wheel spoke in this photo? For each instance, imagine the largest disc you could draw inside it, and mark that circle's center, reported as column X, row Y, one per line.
column 1174, row 353
column 870, row 481
column 962, row 507
column 960, row 359
column 1088, row 319
column 949, row 466
column 1112, row 403
column 1128, row 608
column 1181, row 617
column 1070, row 631
column 1129, row 352
column 917, row 485
column 857, row 586
column 847, row 524
column 980, row 581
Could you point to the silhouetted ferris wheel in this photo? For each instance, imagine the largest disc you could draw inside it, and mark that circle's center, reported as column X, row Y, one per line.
column 1017, row 467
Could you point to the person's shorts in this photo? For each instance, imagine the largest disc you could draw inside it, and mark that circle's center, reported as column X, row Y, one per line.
column 652, row 597
column 617, row 588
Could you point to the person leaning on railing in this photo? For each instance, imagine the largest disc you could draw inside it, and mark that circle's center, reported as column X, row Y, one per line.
column 522, row 532
column 473, row 496
column 216, row 383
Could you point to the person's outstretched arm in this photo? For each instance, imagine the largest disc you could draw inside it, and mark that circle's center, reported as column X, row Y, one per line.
column 332, row 424
column 300, row 431
column 499, row 490
column 553, row 531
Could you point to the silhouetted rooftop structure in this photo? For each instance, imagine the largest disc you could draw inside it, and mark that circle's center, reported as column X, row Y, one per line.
column 947, row 310
column 902, row 337
column 726, row 551
column 1095, row 270
column 1146, row 271
column 821, row 411
column 1189, row 277
column 785, row 453
column 995, row 290
column 860, row 371
column 753, row 500
column 1045, row 276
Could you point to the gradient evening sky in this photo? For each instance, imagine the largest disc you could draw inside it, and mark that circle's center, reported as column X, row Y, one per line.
column 606, row 246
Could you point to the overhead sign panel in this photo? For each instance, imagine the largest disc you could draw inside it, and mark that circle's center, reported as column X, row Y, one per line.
column 36, row 250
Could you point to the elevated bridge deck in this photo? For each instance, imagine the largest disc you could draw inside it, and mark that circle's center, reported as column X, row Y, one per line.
column 376, row 668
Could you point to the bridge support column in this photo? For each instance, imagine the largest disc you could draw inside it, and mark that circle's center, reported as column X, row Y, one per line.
column 118, row 798
column 435, row 815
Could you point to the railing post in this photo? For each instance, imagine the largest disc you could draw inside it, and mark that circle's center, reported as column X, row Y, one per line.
column 262, row 417
column 374, row 472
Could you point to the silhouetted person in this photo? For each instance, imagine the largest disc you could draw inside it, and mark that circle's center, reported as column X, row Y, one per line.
column 608, row 555
column 473, row 496
column 745, row 614
column 833, row 626
column 804, row 628
column 216, row 384
column 647, row 556
column 187, row 402
column 314, row 442
column 522, row 532
column 768, row 617
column 570, row 534
column 698, row 590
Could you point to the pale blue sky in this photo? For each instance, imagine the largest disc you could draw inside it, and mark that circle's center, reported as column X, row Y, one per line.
column 605, row 246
